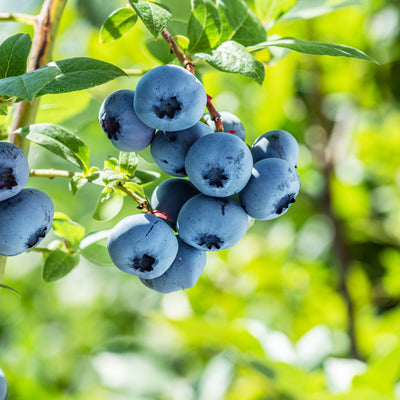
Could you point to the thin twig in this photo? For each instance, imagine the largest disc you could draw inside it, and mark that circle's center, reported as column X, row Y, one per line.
column 142, row 203
column 51, row 173
column 26, row 19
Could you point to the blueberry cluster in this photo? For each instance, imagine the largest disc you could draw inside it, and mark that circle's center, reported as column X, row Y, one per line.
column 228, row 182
column 26, row 215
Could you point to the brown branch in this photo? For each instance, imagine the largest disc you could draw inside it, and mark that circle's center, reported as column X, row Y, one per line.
column 180, row 55
column 328, row 154
column 45, row 29
column 46, row 25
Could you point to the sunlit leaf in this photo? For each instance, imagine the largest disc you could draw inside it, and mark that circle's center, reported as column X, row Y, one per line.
column 117, row 24
column 233, row 57
column 315, row 48
column 154, row 16
column 305, row 9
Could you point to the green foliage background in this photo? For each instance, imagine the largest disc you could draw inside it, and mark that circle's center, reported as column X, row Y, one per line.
column 268, row 319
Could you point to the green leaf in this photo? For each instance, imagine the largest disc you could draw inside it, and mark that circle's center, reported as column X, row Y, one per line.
column 10, row 289
column 58, row 264
column 240, row 23
column 270, row 10
column 145, row 177
column 306, row 9
column 205, row 26
column 59, row 141
column 233, row 57
column 94, row 248
column 76, row 183
column 135, row 187
column 128, row 163
column 117, row 24
column 80, row 73
column 72, row 231
column 28, row 85
column 14, row 52
column 315, row 48
column 154, row 16
column 110, row 176
column 108, row 205
column 160, row 50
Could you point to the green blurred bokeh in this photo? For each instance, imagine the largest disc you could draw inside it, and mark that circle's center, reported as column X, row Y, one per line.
column 304, row 307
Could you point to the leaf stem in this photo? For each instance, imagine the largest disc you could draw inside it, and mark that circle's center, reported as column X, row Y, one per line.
column 26, row 19
column 142, row 203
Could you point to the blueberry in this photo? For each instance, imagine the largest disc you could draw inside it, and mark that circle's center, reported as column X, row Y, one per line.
column 3, row 385
column 273, row 186
column 210, row 223
column 169, row 149
column 14, row 170
column 25, row 219
column 170, row 196
column 142, row 245
column 219, row 164
column 119, row 121
column 183, row 273
column 276, row 144
column 169, row 98
column 231, row 123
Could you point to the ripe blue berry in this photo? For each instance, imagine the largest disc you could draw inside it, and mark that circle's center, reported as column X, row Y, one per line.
column 273, row 186
column 169, row 98
column 142, row 245
column 231, row 123
column 183, row 273
column 170, row 196
column 219, row 164
column 210, row 223
column 169, row 149
column 14, row 170
column 3, row 385
column 276, row 144
column 25, row 219
column 119, row 121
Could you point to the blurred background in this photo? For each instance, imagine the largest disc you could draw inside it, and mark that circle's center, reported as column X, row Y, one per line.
column 304, row 307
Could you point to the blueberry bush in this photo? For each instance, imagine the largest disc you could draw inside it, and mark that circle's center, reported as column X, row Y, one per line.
column 235, row 159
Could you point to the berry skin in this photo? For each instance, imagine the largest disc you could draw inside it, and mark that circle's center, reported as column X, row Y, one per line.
column 169, row 149
column 183, row 273
column 276, row 144
column 142, row 245
column 119, row 121
column 210, row 223
column 3, row 385
column 14, row 170
column 219, row 165
column 231, row 123
column 25, row 219
column 169, row 98
column 170, row 196
column 273, row 186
